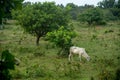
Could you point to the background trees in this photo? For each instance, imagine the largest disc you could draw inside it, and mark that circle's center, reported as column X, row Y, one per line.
column 106, row 3
column 113, row 6
column 92, row 16
column 73, row 10
column 40, row 18
column 116, row 9
column 7, row 5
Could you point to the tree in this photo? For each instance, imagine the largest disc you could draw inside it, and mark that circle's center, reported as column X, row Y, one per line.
column 7, row 5
column 116, row 10
column 113, row 6
column 118, row 4
column 62, row 38
column 40, row 18
column 106, row 4
column 73, row 10
column 91, row 16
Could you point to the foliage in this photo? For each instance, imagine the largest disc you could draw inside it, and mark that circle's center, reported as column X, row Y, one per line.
column 113, row 6
column 6, row 63
column 118, row 4
column 62, row 38
column 52, row 67
column 116, row 12
column 106, row 4
column 108, row 15
column 40, row 18
column 7, row 5
column 73, row 10
column 92, row 16
column 106, row 75
column 116, row 9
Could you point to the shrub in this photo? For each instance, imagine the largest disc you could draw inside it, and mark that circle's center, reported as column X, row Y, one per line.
column 61, row 38
column 6, row 63
column 106, row 75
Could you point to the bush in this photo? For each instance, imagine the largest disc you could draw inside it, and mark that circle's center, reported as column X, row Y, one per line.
column 61, row 38
column 106, row 75
column 6, row 63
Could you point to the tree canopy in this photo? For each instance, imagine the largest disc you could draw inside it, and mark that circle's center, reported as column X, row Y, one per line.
column 113, row 6
column 106, row 3
column 7, row 5
column 40, row 18
column 91, row 16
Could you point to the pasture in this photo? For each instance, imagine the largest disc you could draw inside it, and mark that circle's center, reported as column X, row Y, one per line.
column 102, row 43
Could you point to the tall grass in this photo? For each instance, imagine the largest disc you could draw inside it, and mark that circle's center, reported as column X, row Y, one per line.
column 42, row 63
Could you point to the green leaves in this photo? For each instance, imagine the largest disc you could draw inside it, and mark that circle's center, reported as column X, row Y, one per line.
column 7, row 61
column 107, row 3
column 6, row 6
column 92, row 16
column 61, row 38
column 40, row 18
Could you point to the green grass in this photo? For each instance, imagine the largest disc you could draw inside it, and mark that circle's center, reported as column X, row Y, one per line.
column 42, row 63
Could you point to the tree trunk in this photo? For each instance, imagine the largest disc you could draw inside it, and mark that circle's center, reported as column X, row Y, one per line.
column 37, row 40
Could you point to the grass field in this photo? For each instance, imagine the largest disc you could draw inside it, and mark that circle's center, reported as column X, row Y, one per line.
column 102, row 44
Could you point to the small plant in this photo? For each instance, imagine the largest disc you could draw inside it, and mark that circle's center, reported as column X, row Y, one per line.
column 36, row 71
column 107, row 62
column 109, row 31
column 105, row 75
column 40, row 72
column 39, row 54
column 73, row 70
column 94, row 37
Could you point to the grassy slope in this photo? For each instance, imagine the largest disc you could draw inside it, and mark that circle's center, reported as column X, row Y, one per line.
column 42, row 62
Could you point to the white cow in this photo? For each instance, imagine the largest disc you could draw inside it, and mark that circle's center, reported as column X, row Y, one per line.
column 79, row 51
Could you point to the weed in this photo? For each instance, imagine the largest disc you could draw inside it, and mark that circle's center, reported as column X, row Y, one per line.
column 106, row 75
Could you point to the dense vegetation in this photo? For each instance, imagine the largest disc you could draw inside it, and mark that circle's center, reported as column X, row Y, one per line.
column 42, row 18
column 6, row 6
column 6, row 63
column 42, row 62
column 94, row 28
column 62, row 38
